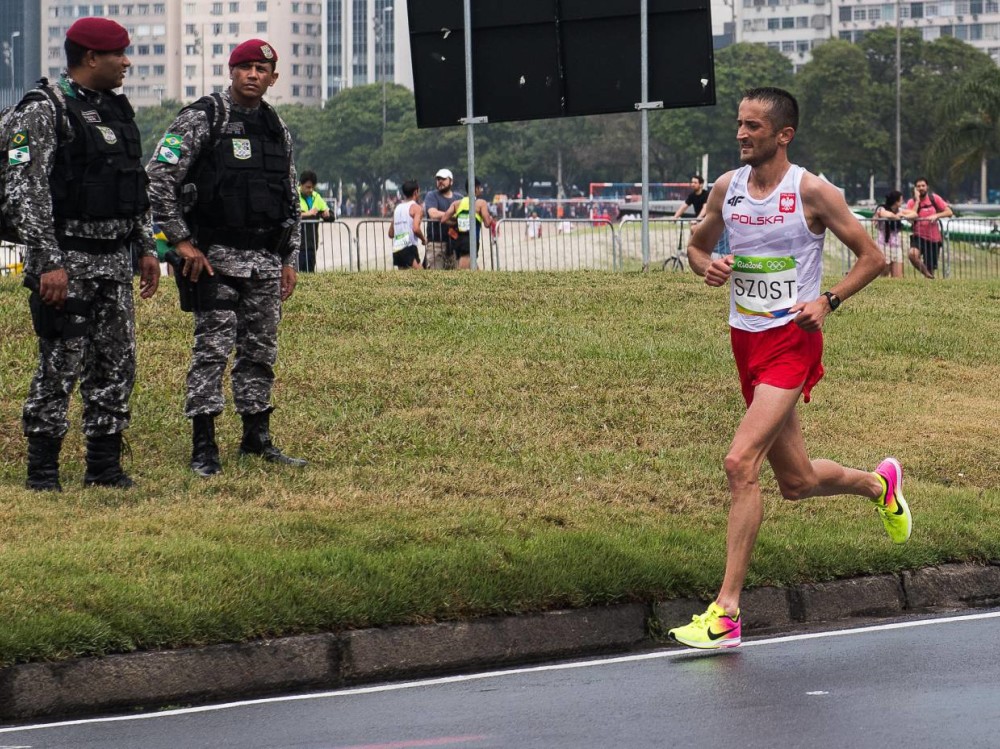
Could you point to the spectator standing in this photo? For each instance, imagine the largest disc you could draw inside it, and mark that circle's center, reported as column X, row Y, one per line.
column 888, row 233
column 461, row 210
column 313, row 209
column 407, row 228
column 77, row 194
column 239, row 243
column 438, row 252
column 926, row 208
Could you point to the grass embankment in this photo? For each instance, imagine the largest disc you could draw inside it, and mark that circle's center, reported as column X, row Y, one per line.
column 486, row 443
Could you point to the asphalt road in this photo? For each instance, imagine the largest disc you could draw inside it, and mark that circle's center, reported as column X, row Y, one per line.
column 914, row 683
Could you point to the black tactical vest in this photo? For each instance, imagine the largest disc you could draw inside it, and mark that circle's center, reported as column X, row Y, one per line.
column 242, row 176
column 99, row 174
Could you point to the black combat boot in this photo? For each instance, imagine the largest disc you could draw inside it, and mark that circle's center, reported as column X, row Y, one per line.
column 257, row 440
column 204, row 452
column 43, row 463
column 104, row 463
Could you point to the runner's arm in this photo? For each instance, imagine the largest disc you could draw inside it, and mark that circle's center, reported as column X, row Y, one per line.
column 703, row 241
column 417, row 214
column 826, row 207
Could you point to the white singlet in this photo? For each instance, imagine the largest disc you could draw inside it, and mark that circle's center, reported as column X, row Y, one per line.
column 778, row 261
column 402, row 227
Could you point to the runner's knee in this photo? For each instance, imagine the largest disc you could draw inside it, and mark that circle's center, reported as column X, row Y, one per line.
column 799, row 487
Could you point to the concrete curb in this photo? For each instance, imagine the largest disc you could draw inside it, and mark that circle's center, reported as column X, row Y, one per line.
column 227, row 672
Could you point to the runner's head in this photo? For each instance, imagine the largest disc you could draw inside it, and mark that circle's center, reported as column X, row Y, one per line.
column 767, row 121
column 410, row 188
column 782, row 108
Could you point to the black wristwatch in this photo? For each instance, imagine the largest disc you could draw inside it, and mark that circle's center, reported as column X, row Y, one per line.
column 833, row 299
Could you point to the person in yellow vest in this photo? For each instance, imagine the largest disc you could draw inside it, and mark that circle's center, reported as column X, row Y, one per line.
column 460, row 209
column 313, row 208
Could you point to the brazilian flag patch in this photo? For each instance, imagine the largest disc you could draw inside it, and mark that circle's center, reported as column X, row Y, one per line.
column 18, row 151
column 169, row 150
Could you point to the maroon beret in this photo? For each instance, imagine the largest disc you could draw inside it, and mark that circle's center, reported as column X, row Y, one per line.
column 253, row 50
column 98, row 34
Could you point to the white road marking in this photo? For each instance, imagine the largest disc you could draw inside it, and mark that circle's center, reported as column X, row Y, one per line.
column 506, row 672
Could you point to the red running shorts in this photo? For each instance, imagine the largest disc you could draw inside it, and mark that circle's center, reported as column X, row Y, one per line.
column 786, row 357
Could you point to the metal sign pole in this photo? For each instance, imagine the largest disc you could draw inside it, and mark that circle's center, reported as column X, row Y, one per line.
column 470, row 120
column 644, row 106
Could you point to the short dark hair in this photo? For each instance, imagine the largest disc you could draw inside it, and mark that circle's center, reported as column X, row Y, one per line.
column 307, row 176
column 782, row 108
column 698, row 177
column 74, row 53
column 409, row 188
column 921, row 179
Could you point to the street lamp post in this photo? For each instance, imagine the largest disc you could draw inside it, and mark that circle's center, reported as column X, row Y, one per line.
column 899, row 129
column 13, row 67
column 384, row 26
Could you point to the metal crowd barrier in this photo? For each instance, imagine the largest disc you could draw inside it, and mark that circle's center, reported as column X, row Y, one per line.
column 11, row 259
column 326, row 246
column 970, row 246
column 555, row 244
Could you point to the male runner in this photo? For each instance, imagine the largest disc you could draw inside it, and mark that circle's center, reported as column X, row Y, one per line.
column 776, row 215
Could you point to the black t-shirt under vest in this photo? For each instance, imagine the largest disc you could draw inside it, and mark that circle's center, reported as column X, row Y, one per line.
column 242, row 177
column 99, row 174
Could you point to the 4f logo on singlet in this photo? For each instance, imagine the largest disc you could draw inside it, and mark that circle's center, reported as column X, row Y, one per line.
column 735, row 200
column 786, row 202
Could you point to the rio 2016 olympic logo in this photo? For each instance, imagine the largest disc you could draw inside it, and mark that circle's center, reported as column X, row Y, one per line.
column 775, row 264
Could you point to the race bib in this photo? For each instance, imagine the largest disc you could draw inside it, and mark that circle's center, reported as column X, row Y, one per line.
column 400, row 241
column 764, row 286
column 463, row 223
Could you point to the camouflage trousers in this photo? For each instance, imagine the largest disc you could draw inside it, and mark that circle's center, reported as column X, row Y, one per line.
column 103, row 360
column 252, row 329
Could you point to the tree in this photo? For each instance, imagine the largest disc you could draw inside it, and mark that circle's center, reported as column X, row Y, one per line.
column 973, row 135
column 837, row 108
column 712, row 130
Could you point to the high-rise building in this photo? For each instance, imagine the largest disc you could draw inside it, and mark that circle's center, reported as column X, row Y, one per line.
column 367, row 41
column 19, row 24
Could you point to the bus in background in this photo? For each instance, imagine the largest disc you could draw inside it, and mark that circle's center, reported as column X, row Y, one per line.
column 609, row 200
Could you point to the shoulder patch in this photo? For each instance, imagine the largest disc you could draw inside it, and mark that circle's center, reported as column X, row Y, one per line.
column 18, row 150
column 169, row 150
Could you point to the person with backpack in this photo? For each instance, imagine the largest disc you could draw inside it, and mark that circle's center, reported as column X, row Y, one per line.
column 75, row 192
column 224, row 191
column 926, row 209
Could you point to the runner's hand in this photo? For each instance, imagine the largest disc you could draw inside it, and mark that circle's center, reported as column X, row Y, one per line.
column 811, row 314
column 719, row 271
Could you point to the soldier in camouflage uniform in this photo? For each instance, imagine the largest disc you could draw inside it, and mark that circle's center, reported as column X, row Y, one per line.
column 77, row 195
column 223, row 189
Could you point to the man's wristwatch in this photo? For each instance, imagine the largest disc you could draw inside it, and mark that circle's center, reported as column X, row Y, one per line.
column 833, row 299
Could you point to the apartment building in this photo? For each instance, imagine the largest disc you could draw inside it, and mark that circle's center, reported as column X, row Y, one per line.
column 796, row 27
column 792, row 27
column 976, row 22
column 180, row 48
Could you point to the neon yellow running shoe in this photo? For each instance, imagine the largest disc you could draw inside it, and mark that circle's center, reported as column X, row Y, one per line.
column 891, row 506
column 713, row 629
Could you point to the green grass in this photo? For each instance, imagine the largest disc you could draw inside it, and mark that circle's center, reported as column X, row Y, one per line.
column 487, row 443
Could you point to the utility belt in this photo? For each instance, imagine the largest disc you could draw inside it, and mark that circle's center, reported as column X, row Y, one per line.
column 270, row 240
column 201, row 295
column 90, row 245
column 52, row 323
